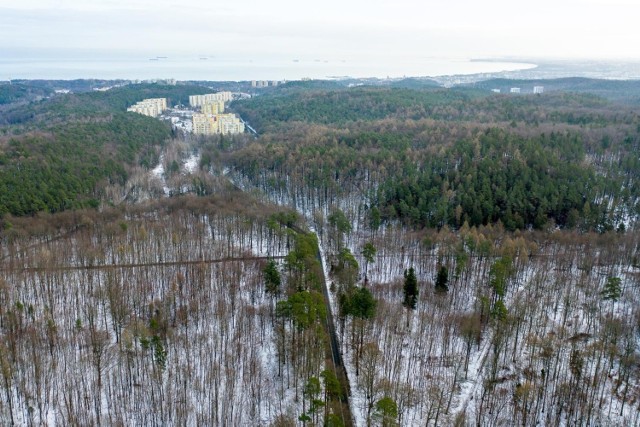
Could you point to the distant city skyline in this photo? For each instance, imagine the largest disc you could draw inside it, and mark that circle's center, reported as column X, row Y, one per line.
column 335, row 30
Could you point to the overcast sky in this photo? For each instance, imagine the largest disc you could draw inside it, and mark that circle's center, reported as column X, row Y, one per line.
column 326, row 29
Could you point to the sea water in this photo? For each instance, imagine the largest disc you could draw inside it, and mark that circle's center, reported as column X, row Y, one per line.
column 214, row 68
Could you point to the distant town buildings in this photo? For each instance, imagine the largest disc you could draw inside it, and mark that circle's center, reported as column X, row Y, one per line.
column 151, row 107
column 169, row 82
column 264, row 83
column 200, row 100
column 516, row 90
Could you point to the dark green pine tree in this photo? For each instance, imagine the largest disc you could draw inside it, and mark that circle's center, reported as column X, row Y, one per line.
column 410, row 289
column 368, row 252
column 612, row 289
column 442, row 279
column 362, row 304
column 272, row 279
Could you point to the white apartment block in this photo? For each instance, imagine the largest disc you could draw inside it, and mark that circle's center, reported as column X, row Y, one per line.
column 151, row 107
column 200, row 100
column 515, row 90
column 538, row 89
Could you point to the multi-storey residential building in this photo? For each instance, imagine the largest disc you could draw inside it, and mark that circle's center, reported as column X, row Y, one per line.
column 152, row 107
column 213, row 107
column 204, row 124
column 229, row 124
column 226, row 124
column 211, row 120
column 538, row 89
column 200, row 100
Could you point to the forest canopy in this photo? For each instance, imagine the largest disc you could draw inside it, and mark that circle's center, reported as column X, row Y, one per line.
column 435, row 157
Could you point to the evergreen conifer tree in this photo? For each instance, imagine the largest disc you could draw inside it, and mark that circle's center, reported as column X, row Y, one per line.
column 410, row 289
column 442, row 279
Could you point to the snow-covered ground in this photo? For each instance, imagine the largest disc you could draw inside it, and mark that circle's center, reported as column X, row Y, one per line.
column 189, row 165
column 89, row 334
column 158, row 173
column 556, row 315
column 155, row 339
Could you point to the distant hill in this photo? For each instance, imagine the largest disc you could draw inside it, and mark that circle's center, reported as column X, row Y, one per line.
column 415, row 83
column 316, row 103
column 10, row 93
column 625, row 91
column 76, row 85
column 61, row 152
column 61, row 107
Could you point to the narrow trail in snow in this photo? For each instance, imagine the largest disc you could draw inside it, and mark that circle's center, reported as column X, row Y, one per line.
column 144, row 264
column 471, row 385
column 334, row 354
column 55, row 238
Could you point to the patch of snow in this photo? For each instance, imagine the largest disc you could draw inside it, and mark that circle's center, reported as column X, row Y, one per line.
column 191, row 164
column 158, row 172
